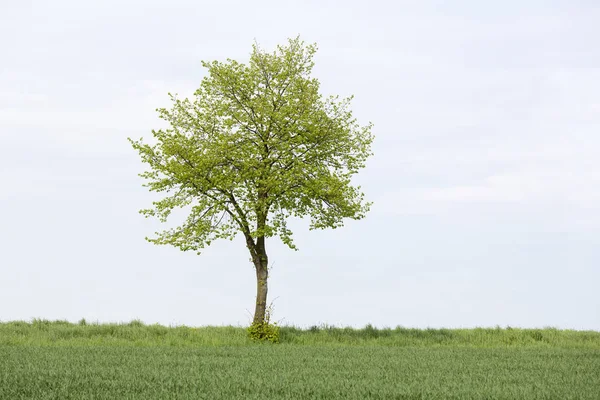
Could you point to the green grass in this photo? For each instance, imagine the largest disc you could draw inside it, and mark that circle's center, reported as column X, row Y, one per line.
column 59, row 360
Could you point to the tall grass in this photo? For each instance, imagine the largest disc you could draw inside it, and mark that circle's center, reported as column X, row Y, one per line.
column 135, row 333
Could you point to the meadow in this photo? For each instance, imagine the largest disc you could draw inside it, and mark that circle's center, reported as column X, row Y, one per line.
column 61, row 360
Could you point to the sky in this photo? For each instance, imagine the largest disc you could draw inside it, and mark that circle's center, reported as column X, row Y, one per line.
column 485, row 179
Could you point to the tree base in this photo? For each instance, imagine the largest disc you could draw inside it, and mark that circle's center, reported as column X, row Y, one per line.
column 264, row 332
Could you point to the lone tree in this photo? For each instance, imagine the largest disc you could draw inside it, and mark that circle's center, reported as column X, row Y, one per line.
column 257, row 144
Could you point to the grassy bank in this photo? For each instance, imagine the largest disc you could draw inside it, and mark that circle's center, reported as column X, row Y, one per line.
column 59, row 360
column 42, row 332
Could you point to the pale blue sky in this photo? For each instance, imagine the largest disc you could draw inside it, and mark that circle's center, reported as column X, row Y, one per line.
column 486, row 176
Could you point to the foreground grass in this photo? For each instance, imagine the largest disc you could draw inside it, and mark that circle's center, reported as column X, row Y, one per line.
column 58, row 360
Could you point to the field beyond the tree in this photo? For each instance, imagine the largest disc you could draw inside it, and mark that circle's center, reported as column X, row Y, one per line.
column 61, row 360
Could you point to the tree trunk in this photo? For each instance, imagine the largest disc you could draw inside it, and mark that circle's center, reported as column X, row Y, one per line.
column 262, row 275
column 260, row 258
column 261, row 262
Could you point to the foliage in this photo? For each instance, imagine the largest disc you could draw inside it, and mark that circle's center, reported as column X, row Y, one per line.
column 264, row 331
column 257, row 144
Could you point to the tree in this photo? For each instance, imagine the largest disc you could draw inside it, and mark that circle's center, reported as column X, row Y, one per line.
column 257, row 144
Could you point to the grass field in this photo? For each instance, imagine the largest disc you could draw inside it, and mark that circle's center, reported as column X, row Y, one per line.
column 58, row 360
